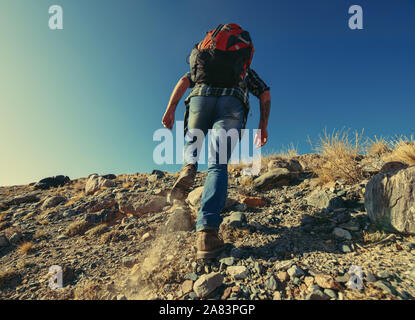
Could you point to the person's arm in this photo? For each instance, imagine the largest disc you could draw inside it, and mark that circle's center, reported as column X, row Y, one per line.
column 265, row 107
column 259, row 89
column 177, row 94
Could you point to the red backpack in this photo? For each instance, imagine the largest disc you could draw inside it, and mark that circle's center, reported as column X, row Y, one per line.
column 222, row 58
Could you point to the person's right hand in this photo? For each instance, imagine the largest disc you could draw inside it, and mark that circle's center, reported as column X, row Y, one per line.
column 168, row 119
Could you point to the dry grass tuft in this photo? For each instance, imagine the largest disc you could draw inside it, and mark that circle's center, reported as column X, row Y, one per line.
column 76, row 228
column 403, row 150
column 26, row 247
column 378, row 146
column 288, row 152
column 341, row 155
column 97, row 230
column 373, row 237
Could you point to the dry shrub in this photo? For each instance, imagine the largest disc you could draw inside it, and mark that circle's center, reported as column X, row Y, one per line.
column 76, row 228
column 26, row 247
column 378, row 146
column 97, row 230
column 403, row 150
column 341, row 155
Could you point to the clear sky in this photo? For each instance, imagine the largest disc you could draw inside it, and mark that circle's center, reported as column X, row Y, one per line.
column 88, row 98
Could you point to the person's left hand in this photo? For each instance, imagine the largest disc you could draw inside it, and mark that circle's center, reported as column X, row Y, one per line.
column 168, row 119
column 261, row 136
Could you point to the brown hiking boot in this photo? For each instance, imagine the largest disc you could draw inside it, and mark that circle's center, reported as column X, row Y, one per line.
column 184, row 183
column 208, row 244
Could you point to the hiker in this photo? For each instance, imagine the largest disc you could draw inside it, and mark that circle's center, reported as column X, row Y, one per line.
column 221, row 78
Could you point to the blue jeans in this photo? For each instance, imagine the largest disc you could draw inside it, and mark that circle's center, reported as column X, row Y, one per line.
column 217, row 113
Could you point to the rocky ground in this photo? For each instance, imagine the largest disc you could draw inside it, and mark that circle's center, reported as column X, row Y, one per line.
column 117, row 237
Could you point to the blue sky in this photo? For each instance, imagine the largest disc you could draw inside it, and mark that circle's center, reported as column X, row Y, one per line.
column 88, row 98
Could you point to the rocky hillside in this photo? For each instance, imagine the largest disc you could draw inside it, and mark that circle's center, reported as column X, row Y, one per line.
column 293, row 235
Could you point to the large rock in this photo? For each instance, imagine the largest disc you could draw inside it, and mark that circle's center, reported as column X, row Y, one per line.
column 292, row 165
column 96, row 182
column 207, row 283
column 142, row 203
column 179, row 220
column 27, row 198
column 52, row 182
column 53, row 202
column 195, row 196
column 324, row 199
column 274, row 178
column 390, row 200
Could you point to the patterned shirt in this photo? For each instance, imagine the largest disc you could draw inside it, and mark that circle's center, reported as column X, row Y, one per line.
column 252, row 83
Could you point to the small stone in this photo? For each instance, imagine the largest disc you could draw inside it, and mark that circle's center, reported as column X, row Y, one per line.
column 317, row 295
column 227, row 261
column 331, row 293
column 295, row 271
column 238, row 272
column 236, row 219
column 276, row 295
column 346, row 248
column 146, row 236
column 121, row 297
column 207, row 283
column 283, row 265
column 283, row 276
column 326, row 281
column 253, row 202
column 271, row 283
column 187, row 286
column 341, row 233
column 309, row 281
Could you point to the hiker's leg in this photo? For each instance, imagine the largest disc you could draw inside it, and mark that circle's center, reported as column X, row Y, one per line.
column 200, row 118
column 229, row 114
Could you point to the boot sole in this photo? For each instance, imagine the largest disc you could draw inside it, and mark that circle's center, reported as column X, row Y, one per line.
column 212, row 254
column 181, row 188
